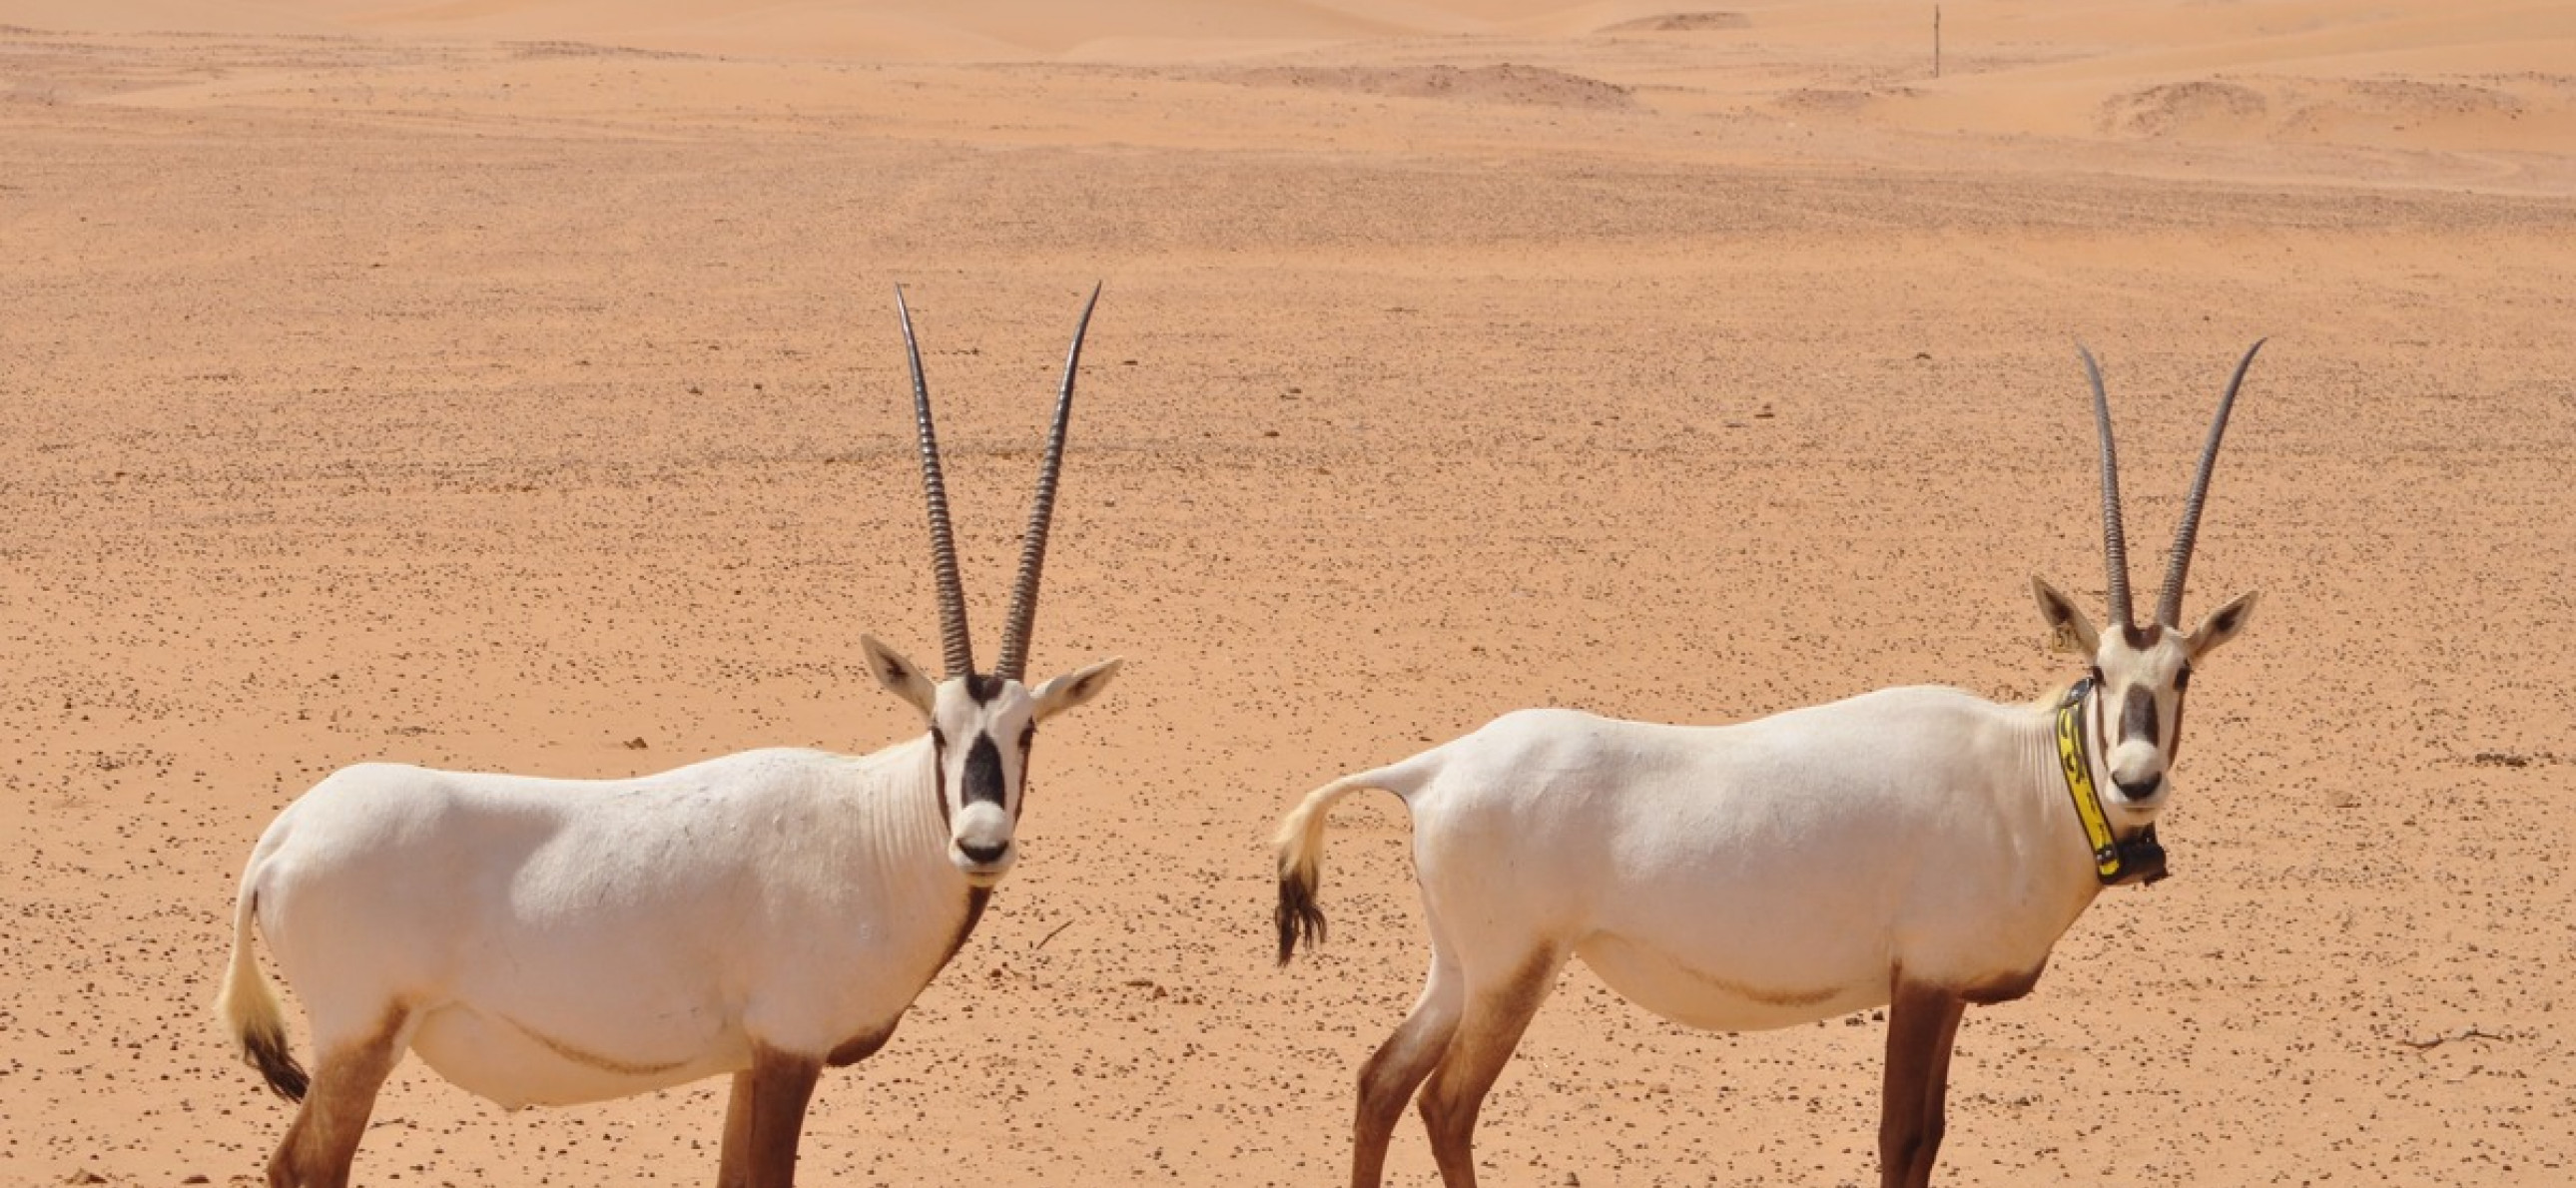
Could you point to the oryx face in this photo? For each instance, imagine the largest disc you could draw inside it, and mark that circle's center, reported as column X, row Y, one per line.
column 2141, row 671
column 981, row 730
column 2140, row 676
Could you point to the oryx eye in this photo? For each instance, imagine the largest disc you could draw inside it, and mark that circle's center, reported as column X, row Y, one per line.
column 2182, row 678
column 2096, row 674
column 1028, row 734
column 938, row 740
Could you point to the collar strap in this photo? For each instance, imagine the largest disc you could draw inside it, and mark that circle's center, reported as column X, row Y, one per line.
column 2116, row 860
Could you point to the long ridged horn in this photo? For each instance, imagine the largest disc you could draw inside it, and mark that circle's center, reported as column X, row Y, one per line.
column 943, row 546
column 1024, row 592
column 2178, row 565
column 2115, row 540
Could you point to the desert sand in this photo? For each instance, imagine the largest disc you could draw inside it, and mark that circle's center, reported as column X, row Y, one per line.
column 514, row 385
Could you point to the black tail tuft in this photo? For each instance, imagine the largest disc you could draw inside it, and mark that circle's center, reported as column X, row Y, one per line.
column 1297, row 917
column 268, row 1053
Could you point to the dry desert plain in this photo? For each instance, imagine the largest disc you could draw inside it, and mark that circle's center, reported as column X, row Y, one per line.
column 515, row 385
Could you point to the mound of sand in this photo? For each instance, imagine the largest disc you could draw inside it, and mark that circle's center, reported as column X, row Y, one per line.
column 1535, row 86
column 2205, row 108
column 2512, row 114
column 1682, row 22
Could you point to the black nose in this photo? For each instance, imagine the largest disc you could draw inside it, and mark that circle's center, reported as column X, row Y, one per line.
column 2143, row 789
column 984, row 855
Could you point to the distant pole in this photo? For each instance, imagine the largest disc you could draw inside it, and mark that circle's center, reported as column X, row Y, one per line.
column 1936, row 41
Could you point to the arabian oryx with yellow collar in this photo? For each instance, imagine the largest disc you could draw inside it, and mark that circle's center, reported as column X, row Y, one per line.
column 1919, row 847
column 542, row 941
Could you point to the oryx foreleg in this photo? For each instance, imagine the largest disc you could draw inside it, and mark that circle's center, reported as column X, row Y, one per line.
column 764, row 1118
column 1922, row 1024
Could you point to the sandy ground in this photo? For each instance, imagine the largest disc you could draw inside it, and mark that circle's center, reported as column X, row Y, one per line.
column 514, row 385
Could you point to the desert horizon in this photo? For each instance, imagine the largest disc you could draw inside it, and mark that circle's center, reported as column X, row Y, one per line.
column 515, row 385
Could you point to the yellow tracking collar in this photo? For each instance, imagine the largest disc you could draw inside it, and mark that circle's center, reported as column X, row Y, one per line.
column 2136, row 860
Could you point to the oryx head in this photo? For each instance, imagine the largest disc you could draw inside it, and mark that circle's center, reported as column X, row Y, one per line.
column 982, row 724
column 2141, row 670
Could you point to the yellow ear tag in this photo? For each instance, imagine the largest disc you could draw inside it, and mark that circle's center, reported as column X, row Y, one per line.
column 2062, row 638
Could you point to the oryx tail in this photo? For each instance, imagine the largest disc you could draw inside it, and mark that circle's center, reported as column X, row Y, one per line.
column 248, row 1005
column 1300, row 844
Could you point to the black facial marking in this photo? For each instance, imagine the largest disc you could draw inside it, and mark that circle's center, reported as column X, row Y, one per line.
column 939, row 771
column 2142, row 638
column 1028, row 737
column 2138, row 716
column 983, row 773
column 983, row 687
column 2101, row 697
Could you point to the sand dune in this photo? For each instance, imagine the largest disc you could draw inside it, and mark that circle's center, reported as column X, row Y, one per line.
column 2486, row 77
column 513, row 385
column 1520, row 85
column 2423, row 78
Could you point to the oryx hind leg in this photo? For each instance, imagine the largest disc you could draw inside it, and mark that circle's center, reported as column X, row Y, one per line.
column 1498, row 1010
column 323, row 1140
column 1389, row 1078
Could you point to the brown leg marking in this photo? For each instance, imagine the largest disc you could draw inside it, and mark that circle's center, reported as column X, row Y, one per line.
column 1483, row 1044
column 733, row 1158
column 1389, row 1078
column 323, row 1139
column 1936, row 1098
column 2003, row 989
column 1922, row 1023
column 765, row 1118
column 859, row 1047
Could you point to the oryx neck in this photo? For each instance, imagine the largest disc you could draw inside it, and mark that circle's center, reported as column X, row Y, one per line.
column 905, row 815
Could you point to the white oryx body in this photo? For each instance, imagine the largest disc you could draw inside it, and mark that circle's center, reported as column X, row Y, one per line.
column 544, row 941
column 1762, row 874
column 1747, row 876
column 1920, row 848
column 798, row 898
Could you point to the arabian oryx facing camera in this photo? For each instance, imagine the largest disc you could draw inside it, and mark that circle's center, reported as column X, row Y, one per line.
column 1918, row 847
column 543, row 941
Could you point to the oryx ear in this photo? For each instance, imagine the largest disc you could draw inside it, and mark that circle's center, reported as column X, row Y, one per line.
column 898, row 675
column 1074, row 688
column 2221, row 625
column 2068, row 629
